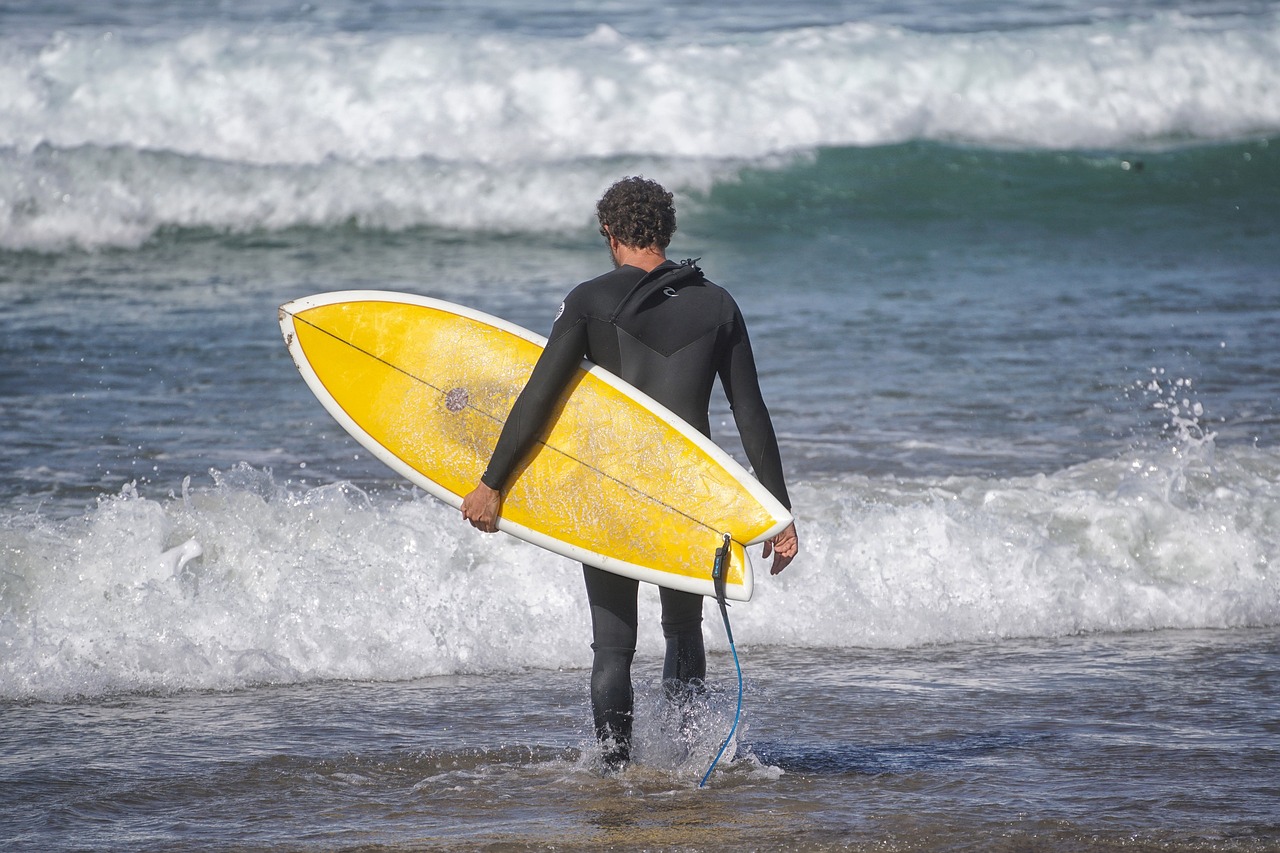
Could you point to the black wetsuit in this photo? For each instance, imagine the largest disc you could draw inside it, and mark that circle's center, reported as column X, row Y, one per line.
column 669, row 332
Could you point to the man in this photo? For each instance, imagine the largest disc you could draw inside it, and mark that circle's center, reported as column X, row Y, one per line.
column 668, row 331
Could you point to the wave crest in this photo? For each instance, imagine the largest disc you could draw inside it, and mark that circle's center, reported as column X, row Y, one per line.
column 275, row 99
column 107, row 139
column 248, row 581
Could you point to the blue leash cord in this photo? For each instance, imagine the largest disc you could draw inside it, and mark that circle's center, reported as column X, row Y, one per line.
column 717, row 577
column 736, row 715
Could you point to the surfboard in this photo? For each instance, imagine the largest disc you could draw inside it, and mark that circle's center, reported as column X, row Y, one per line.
column 616, row 480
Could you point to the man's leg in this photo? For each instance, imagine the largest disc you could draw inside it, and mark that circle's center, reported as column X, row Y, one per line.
column 685, row 666
column 613, row 632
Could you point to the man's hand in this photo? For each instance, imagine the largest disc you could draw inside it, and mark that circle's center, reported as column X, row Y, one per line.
column 784, row 548
column 481, row 508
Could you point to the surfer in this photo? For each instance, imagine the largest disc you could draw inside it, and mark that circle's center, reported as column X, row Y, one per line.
column 666, row 329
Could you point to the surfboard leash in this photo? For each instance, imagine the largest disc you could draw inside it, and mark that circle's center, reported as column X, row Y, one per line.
column 718, row 580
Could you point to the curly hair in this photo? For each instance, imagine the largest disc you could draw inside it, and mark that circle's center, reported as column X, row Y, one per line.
column 638, row 212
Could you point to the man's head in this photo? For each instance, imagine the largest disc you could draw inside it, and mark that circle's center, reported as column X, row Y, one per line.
column 638, row 213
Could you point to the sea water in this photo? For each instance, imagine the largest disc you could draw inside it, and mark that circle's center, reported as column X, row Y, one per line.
column 1012, row 279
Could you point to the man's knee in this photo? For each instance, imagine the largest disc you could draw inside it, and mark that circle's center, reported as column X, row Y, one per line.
column 681, row 614
column 682, row 625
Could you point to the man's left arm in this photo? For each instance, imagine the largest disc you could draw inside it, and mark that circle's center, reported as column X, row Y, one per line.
column 741, row 385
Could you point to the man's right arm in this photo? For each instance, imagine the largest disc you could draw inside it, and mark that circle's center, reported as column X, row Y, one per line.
column 482, row 507
column 552, row 372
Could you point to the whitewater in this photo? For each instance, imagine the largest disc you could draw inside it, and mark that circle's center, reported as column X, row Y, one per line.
column 111, row 136
column 247, row 582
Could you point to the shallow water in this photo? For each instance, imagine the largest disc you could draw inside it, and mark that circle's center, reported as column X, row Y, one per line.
column 1157, row 741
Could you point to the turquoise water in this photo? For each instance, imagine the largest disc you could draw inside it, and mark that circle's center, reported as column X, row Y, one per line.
column 1011, row 275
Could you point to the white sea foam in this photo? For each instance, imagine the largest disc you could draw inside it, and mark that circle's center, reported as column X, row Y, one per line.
column 252, row 98
column 107, row 137
column 91, row 197
column 246, row 581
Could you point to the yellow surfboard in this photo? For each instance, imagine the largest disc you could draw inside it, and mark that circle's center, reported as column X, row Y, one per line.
column 617, row 481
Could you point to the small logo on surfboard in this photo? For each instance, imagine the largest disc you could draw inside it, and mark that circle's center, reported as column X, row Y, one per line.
column 456, row 400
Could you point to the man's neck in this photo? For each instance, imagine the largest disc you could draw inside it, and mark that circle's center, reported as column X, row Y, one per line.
column 646, row 259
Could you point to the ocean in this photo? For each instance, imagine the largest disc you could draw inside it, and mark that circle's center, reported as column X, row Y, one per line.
column 1012, row 276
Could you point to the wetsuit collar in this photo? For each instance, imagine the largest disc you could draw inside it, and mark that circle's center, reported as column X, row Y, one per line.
column 666, row 274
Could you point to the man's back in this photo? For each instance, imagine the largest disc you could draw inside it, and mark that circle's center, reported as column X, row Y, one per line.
column 667, row 332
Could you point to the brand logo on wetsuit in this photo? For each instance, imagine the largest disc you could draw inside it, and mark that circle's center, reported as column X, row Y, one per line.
column 669, row 291
column 559, row 312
